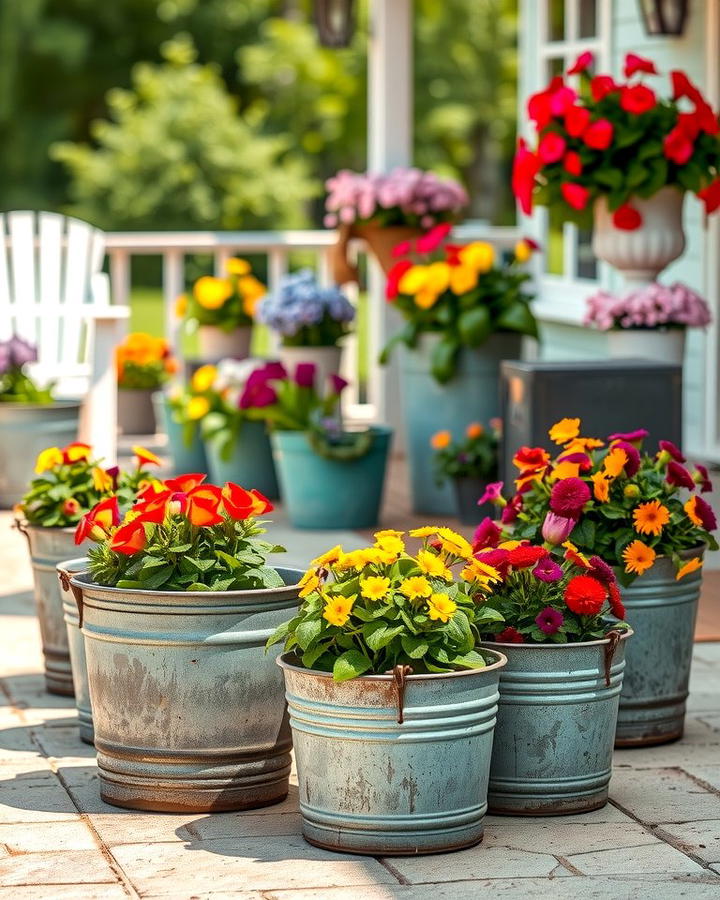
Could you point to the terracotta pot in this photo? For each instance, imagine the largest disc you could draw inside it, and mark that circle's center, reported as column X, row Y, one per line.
column 216, row 344
column 380, row 240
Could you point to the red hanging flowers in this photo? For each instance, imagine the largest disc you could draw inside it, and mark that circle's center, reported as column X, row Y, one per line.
column 627, row 218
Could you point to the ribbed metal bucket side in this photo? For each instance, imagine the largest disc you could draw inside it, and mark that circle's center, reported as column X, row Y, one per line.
column 369, row 784
column 662, row 612
column 76, row 646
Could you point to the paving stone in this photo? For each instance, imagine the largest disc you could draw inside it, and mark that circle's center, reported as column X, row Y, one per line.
column 62, row 742
column 710, row 775
column 74, row 867
column 607, row 815
column 243, row 824
column 40, row 799
column 700, row 745
column 702, row 839
column 29, row 838
column 257, row 864
column 658, row 857
column 477, row 863
column 663, row 795
column 546, row 836
column 119, row 826
column 65, row 892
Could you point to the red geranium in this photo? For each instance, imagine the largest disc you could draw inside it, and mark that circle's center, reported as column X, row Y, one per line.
column 577, row 119
column 392, row 287
column 575, row 195
column 510, row 635
column 551, row 148
column 572, row 163
column 599, row 135
column 585, row 595
column 627, row 218
column 582, row 63
column 601, row 86
column 530, row 458
column 635, row 63
column 637, row 99
column 524, row 557
column 525, row 167
column 678, row 146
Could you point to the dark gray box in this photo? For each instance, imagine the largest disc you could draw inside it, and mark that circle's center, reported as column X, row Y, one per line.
column 608, row 395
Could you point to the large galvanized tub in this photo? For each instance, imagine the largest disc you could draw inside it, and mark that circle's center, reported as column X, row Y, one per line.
column 662, row 611
column 371, row 784
column 48, row 547
column 555, row 727
column 189, row 710
column 76, row 645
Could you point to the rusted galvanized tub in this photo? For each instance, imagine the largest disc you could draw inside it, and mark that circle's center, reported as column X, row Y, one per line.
column 555, row 727
column 48, row 547
column 662, row 612
column 189, row 710
column 76, row 645
column 371, row 784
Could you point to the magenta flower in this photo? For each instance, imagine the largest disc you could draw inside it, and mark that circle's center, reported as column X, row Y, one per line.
column 498, row 559
column 493, row 494
column 257, row 395
column 273, row 371
column 601, row 570
column 632, row 437
column 580, row 459
column 633, row 457
column 305, row 375
column 568, row 497
column 679, row 476
column 705, row 513
column 510, row 512
column 702, row 478
column 487, row 534
column 114, row 473
column 547, row 570
column 672, row 450
column 549, row 620
column 556, row 529
column 338, row 384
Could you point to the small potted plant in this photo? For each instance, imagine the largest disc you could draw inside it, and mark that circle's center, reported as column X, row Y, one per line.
column 144, row 363
column 466, row 310
column 642, row 514
column 68, row 482
column 559, row 692
column 181, row 410
column 310, row 320
column 189, row 712
column 222, row 310
column 384, row 210
column 29, row 418
column 383, row 651
column 470, row 464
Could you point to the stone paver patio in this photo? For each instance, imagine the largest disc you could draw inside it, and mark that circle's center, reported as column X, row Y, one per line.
column 658, row 838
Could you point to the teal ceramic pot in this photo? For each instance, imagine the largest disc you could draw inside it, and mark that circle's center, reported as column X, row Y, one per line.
column 371, row 784
column 327, row 493
column 555, row 728
column 472, row 395
column 468, row 491
column 250, row 462
column 25, row 430
column 188, row 708
column 186, row 457
column 662, row 612
column 76, row 645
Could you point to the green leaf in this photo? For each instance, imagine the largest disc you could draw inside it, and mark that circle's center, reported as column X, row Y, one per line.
column 475, row 326
column 583, row 533
column 378, row 635
column 230, row 560
column 268, row 577
column 151, row 562
column 198, row 586
column 280, row 633
column 307, row 632
column 350, row 665
column 518, row 317
column 202, row 565
column 415, row 646
column 310, row 657
column 470, row 660
column 444, row 359
column 179, row 548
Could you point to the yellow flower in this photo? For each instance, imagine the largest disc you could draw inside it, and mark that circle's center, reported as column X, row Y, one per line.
column 355, row 559
column 211, row 293
column 601, row 487
column 614, row 462
column 582, row 445
column 309, row 582
column 416, row 587
column 431, row 564
column 328, row 558
column 440, row 440
column 337, row 609
column 375, row 587
column 438, row 277
column 181, row 305
column 480, row 571
column 48, row 459
column 463, row 279
column 202, row 379
column 426, row 298
column 565, row 430
column 388, row 532
column 650, row 517
column 479, row 256
column 474, row 430
column 565, row 470
column 237, row 266
column 197, row 407
column 425, row 531
column 102, row 482
column 454, row 543
column 392, row 545
column 509, row 545
column 638, row 557
column 523, row 251
column 413, row 280
column 691, row 566
column 251, row 288
column 441, row 607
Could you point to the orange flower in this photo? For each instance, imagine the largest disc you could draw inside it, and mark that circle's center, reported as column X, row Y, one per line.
column 689, row 508
column 638, row 558
column 650, row 517
column 565, row 470
column 241, row 504
column 185, row 483
column 146, row 456
column 440, row 440
column 531, row 458
column 615, row 462
column 76, row 452
column 97, row 523
column 211, row 293
column 153, row 506
column 565, row 430
column 582, row 445
column 601, row 487
column 129, row 539
column 691, row 565
column 575, row 556
column 203, row 506
column 474, row 430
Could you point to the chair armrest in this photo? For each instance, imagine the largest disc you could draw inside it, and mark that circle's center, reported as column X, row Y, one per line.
column 101, row 306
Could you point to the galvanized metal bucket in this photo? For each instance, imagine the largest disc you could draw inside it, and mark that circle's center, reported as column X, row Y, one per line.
column 189, row 710
column 372, row 784
column 48, row 547
column 555, row 727
column 76, row 645
column 662, row 612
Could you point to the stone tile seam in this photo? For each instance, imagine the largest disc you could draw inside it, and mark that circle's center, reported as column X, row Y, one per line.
column 701, row 783
column 385, row 862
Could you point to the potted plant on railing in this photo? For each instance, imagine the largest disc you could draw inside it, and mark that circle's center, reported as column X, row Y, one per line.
column 383, row 650
column 465, row 311
column 222, row 310
column 189, row 712
column 469, row 464
column 384, row 210
column 617, row 153
column 559, row 692
column 144, row 363
column 642, row 514
column 29, row 419
column 310, row 320
column 69, row 482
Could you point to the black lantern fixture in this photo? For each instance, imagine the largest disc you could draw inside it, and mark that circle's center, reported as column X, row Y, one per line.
column 335, row 22
column 664, row 16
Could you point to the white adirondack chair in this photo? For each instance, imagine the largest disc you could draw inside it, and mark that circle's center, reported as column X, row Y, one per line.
column 53, row 294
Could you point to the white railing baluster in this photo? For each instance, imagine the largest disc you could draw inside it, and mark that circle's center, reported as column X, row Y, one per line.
column 119, row 276
column 173, row 286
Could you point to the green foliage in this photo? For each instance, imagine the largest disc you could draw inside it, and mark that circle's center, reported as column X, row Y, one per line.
column 143, row 376
column 475, row 456
column 16, row 387
column 46, row 501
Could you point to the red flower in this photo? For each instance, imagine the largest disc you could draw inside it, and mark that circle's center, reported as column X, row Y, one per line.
column 525, row 557
column 154, row 508
column 634, row 63
column 585, row 595
column 241, row 504
column 572, row 163
column 601, row 86
column 401, row 249
column 679, row 476
column 498, row 559
column 582, row 63
column 430, row 241
column 129, row 539
column 637, row 99
column 561, row 100
column 530, row 458
column 392, row 288
column 203, row 506
column 510, row 512
column 616, row 604
column 575, row 195
column 710, row 196
column 599, row 135
column 551, row 148
column 568, row 496
column 702, row 511
column 678, row 146
column 683, row 87
column 672, row 449
column 510, row 635
column 76, row 452
column 525, row 167
column 184, row 483
column 577, row 119
column 487, row 534
column 701, row 477
column 627, row 218
column 538, row 105
column 97, row 523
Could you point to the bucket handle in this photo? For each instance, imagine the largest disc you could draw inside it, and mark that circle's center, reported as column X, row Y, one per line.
column 613, row 637
column 21, row 526
column 399, row 674
column 77, row 593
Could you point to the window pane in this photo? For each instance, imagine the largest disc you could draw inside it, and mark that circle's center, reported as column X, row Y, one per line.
column 586, row 262
column 556, row 67
column 555, row 245
column 587, row 17
column 556, row 20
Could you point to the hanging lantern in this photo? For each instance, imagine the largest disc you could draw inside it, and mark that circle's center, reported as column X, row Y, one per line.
column 664, row 16
column 335, row 22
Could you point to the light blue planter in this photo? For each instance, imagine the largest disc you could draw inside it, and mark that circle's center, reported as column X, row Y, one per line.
column 662, row 612
column 76, row 645
column 326, row 493
column 555, row 728
column 185, row 457
column 368, row 784
column 473, row 395
column 251, row 463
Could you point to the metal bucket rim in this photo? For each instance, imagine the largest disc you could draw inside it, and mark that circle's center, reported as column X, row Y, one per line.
column 499, row 663
column 373, row 429
column 28, row 526
column 86, row 583
column 76, row 566
column 54, row 404
column 627, row 632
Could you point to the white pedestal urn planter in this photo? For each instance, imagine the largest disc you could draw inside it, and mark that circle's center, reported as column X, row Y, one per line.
column 666, row 344
column 326, row 360
column 642, row 253
column 216, row 344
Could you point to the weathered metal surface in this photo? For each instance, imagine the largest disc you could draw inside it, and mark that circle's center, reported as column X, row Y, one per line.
column 555, row 728
column 48, row 547
column 250, row 463
column 189, row 710
column 662, row 611
column 369, row 784
column 76, row 646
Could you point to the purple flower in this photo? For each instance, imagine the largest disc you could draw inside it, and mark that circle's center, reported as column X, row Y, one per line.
column 556, row 529
column 274, row 371
column 673, row 451
column 305, row 375
column 21, row 352
column 338, row 384
column 547, row 570
column 549, row 620
column 601, row 570
column 493, row 494
column 114, row 473
column 257, row 394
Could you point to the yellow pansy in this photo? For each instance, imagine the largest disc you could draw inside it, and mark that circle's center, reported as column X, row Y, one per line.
column 441, row 607
column 426, row 298
column 424, row 531
column 329, row 558
column 48, row 459
column 431, row 564
column 197, row 407
column 375, row 587
column 454, row 543
column 479, row 256
column 211, row 292
column 413, row 280
column 416, row 587
column 463, row 279
column 565, row 430
column 101, row 480
column 237, row 266
column 337, row 609
column 203, row 378
column 509, row 545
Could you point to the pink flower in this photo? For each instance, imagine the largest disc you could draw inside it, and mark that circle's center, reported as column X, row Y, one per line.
column 601, row 570
column 677, row 146
column 510, row 512
column 401, row 249
column 526, row 165
column 487, row 534
column 575, row 195
column 498, row 559
column 550, row 620
column 701, row 477
column 557, row 529
column 551, row 148
column 572, row 163
column 679, row 476
column 432, row 240
column 673, row 451
column 705, row 513
column 547, row 570
column 493, row 494
column 568, row 496
column 582, row 63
